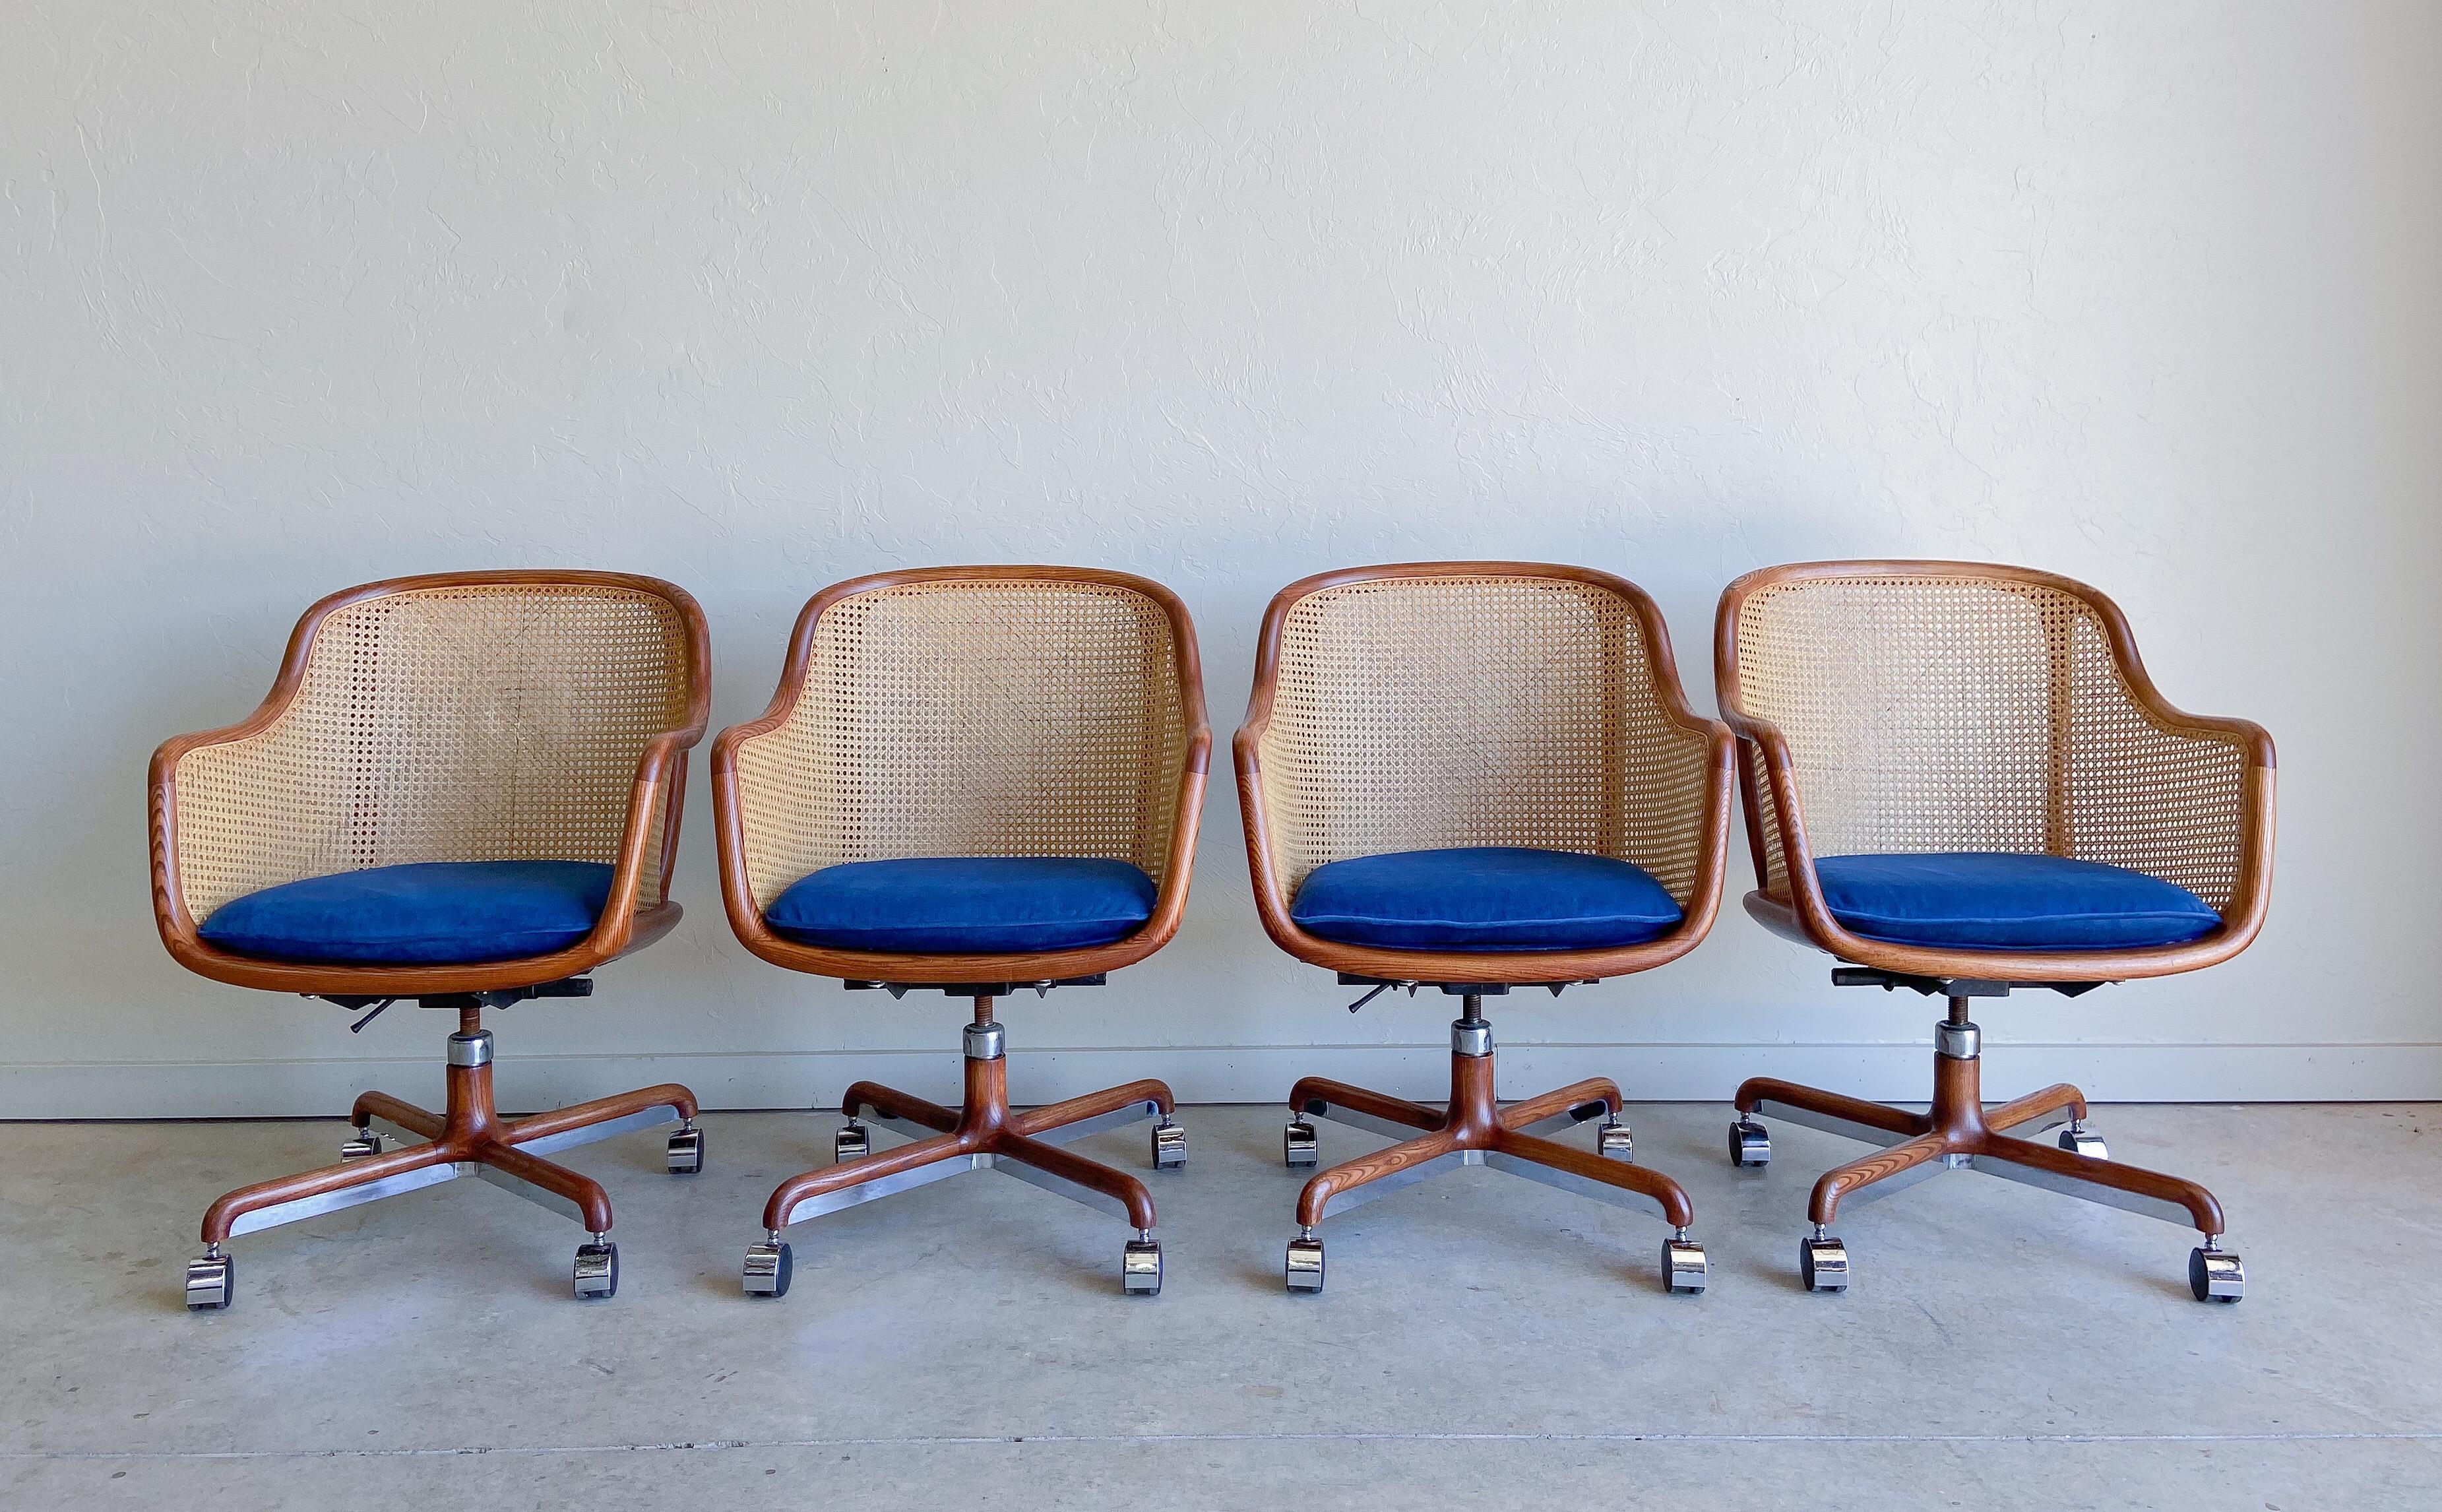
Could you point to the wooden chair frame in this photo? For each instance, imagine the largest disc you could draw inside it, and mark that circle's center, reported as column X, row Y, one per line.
column 984, row 1133
column 470, row 1137
column 1472, row 1129
column 1958, row 1130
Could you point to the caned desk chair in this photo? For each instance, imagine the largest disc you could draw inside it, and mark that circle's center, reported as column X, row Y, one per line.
column 1960, row 779
column 1477, row 775
column 462, row 789
column 972, row 779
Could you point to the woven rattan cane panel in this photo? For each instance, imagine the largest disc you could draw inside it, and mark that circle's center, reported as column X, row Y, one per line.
column 1418, row 713
column 477, row 722
column 1928, row 713
column 972, row 717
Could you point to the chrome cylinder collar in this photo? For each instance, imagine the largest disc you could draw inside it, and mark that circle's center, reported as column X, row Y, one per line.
column 1471, row 1037
column 984, row 1042
column 1958, row 1042
column 470, row 1050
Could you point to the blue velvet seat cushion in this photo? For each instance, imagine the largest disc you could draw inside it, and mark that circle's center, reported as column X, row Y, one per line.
column 424, row 914
column 1996, row 901
column 965, row 906
column 1486, row 898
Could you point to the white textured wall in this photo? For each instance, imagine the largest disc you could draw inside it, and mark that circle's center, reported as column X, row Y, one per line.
column 300, row 293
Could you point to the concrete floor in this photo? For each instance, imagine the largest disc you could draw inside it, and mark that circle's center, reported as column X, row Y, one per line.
column 966, row 1346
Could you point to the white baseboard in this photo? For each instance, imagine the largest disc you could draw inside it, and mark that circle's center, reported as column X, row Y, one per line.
column 1664, row 1073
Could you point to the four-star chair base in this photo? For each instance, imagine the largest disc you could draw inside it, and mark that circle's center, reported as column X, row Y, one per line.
column 1475, row 1130
column 983, row 1133
column 469, row 1140
column 1960, row 1132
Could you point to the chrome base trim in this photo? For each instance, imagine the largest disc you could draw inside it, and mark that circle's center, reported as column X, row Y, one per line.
column 2090, row 1191
column 520, row 1187
column 1398, row 1180
column 1396, row 1133
column 1062, row 1186
column 1117, row 1119
column 1582, row 1113
column 881, row 1187
column 1570, row 1181
column 909, row 1128
column 608, row 1128
column 1890, row 1186
column 322, row 1202
column 1829, row 1124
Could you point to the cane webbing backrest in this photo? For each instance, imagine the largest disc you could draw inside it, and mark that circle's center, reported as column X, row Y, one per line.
column 1933, row 713
column 1418, row 713
column 972, row 717
column 483, row 722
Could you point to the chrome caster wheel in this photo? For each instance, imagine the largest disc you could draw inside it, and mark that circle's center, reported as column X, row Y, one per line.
column 1169, row 1146
column 1304, row 1268
column 851, row 1143
column 597, row 1270
column 1823, row 1261
column 2078, row 1140
column 211, row 1281
column 1140, row 1267
column 1683, row 1264
column 364, row 1146
column 1299, row 1146
column 2214, row 1275
column 1749, row 1144
column 767, row 1269
column 1612, row 1141
column 687, row 1152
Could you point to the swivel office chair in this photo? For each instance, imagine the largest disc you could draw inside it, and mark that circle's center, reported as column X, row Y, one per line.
column 463, row 789
column 975, row 781
column 1958, row 780
column 1477, row 775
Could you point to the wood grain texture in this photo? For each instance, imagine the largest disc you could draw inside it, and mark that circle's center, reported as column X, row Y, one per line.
column 982, row 1124
column 1473, row 1120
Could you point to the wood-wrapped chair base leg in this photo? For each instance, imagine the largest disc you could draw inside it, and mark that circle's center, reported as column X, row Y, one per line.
column 1958, row 1132
column 983, row 1133
column 470, row 1139
column 1476, row 1130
